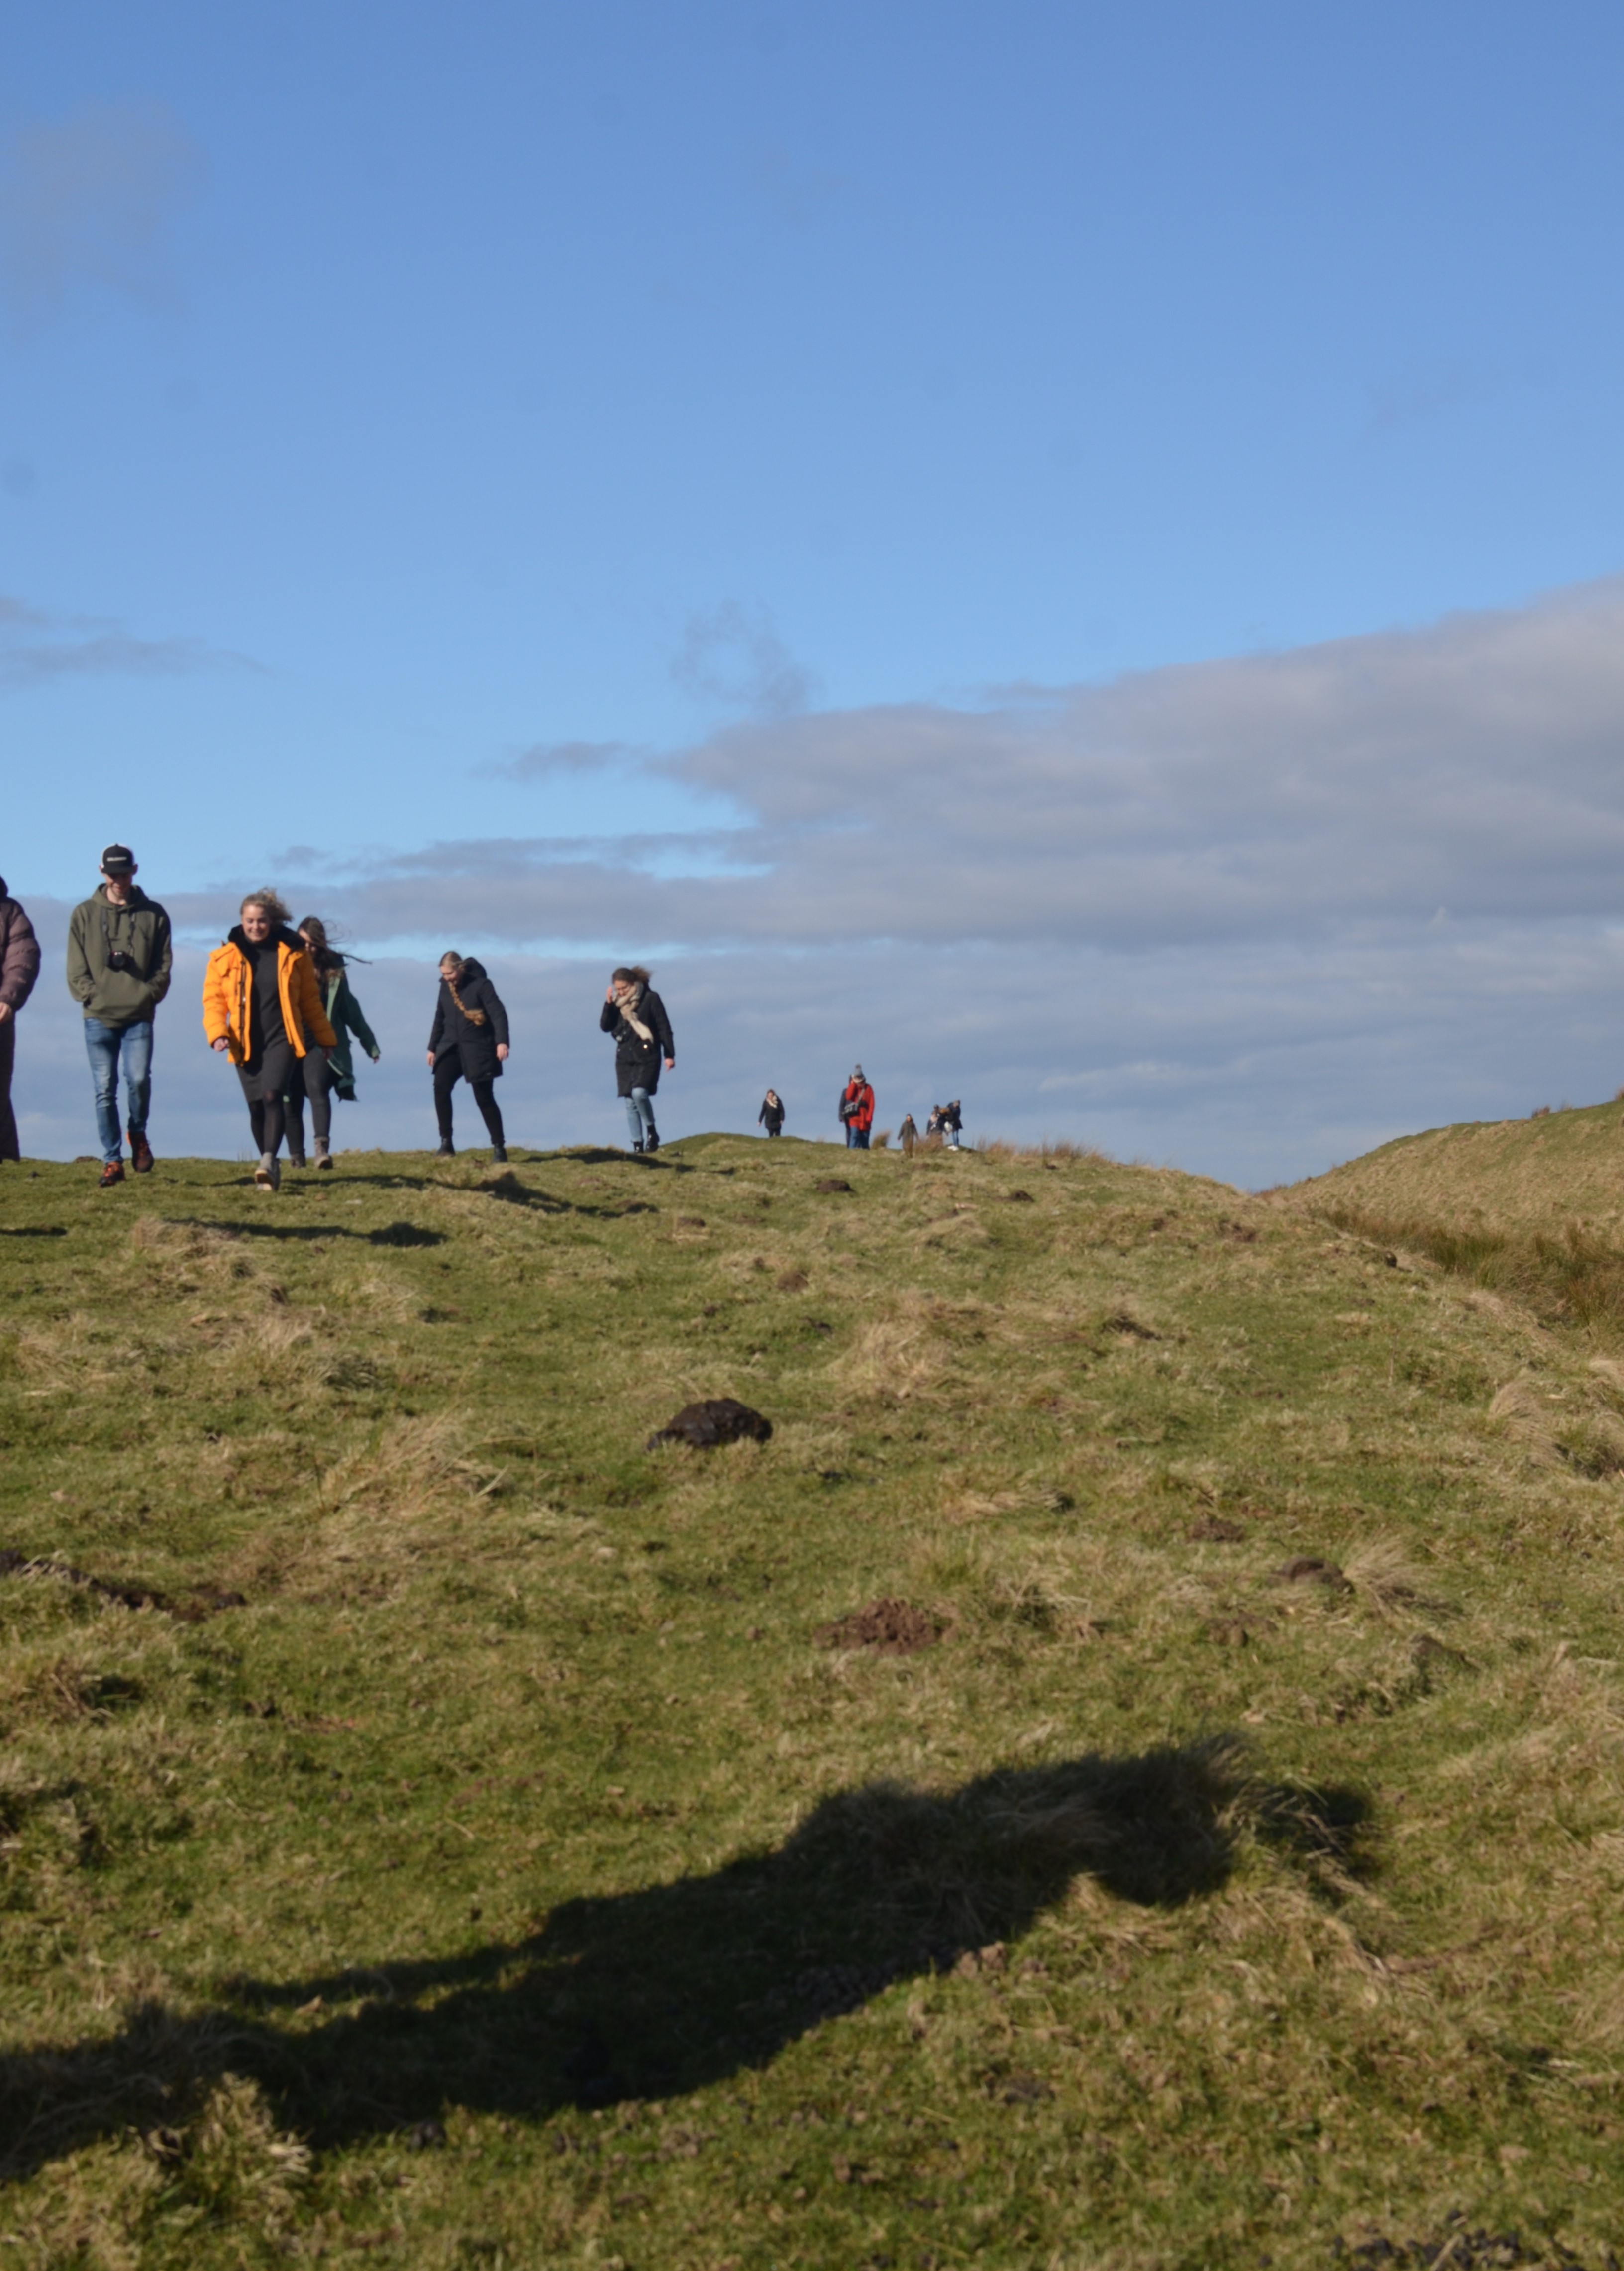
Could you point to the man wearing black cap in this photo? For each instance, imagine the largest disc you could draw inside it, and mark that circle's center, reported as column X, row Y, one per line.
column 118, row 972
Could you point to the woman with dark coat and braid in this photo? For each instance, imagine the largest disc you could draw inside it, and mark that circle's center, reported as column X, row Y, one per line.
column 469, row 1042
column 636, row 1014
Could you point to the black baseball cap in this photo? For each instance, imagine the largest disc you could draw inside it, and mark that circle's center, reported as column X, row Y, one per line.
column 117, row 860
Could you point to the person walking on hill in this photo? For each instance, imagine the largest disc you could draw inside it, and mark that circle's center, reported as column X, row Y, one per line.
column 119, row 960
column 952, row 1126
column 908, row 1135
column 468, row 1041
column 313, row 1074
column 262, row 1007
column 19, row 966
column 771, row 1116
column 636, row 1014
column 857, row 1110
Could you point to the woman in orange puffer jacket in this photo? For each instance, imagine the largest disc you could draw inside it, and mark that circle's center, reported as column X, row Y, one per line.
column 262, row 1006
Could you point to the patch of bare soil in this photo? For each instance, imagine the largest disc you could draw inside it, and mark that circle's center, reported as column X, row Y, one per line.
column 832, row 1183
column 890, row 1627
column 1308, row 1569
column 190, row 1608
column 719, row 1419
column 1213, row 1529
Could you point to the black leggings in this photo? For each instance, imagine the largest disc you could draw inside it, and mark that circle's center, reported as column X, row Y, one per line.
column 312, row 1076
column 448, row 1072
column 265, row 1118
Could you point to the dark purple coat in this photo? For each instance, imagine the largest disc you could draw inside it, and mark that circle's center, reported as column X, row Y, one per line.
column 20, row 953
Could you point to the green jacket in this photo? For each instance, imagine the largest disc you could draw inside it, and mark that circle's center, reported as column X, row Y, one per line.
column 344, row 1010
column 139, row 930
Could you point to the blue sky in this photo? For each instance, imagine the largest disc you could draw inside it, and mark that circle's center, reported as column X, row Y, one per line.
column 434, row 442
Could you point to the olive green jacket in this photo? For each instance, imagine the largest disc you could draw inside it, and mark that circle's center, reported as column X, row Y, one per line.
column 138, row 932
column 343, row 1015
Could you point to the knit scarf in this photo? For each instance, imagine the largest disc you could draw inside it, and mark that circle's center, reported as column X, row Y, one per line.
column 629, row 1005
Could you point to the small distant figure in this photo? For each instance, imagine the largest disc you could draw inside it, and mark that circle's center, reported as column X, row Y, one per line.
column 907, row 1136
column 19, row 966
column 936, row 1126
column 468, row 1041
column 857, row 1110
column 952, row 1126
column 636, row 1014
column 771, row 1116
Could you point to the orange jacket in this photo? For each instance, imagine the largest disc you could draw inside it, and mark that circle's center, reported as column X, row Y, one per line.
column 225, row 984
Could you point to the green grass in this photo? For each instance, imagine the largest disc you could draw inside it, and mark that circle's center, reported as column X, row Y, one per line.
column 514, row 1878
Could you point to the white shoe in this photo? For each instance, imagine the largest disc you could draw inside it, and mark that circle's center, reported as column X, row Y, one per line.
column 268, row 1174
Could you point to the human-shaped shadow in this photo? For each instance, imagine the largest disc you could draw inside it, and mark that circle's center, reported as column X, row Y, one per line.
column 656, row 1992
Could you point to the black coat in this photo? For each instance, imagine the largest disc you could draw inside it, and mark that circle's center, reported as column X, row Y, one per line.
column 453, row 1029
column 637, row 1062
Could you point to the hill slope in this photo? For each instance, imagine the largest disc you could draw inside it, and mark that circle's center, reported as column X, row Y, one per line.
column 1521, row 1174
column 534, row 1865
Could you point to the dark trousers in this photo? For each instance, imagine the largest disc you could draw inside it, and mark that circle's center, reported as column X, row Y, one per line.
column 9, row 1148
column 448, row 1072
column 312, row 1076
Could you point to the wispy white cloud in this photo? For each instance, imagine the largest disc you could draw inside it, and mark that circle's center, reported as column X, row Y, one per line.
column 89, row 200
column 732, row 656
column 37, row 646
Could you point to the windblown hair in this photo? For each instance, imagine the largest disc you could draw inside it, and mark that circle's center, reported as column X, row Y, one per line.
column 324, row 955
column 273, row 904
column 631, row 973
column 451, row 955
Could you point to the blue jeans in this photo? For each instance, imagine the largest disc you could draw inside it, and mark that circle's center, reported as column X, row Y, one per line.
column 639, row 1115
column 103, row 1044
column 856, row 1138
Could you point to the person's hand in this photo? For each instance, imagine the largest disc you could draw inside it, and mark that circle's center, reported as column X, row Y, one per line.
column 671, row 1064
column 6, row 1011
column 220, row 1044
column 431, row 1060
column 501, row 1050
column 374, row 1055
column 609, row 996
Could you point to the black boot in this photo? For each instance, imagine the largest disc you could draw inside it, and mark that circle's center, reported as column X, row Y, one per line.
column 637, row 1151
column 447, row 1151
column 499, row 1155
column 652, row 1140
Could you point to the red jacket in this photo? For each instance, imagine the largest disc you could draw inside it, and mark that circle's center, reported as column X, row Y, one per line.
column 861, row 1095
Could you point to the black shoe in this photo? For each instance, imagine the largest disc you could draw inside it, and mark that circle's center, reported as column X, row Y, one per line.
column 637, row 1151
column 499, row 1155
column 446, row 1151
column 296, row 1159
column 652, row 1141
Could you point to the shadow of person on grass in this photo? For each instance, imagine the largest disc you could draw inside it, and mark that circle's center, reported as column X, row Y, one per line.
column 656, row 1992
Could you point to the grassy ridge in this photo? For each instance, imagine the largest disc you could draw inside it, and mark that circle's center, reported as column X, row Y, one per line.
column 516, row 1878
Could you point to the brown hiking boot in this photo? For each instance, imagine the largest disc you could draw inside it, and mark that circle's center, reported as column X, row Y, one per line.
column 112, row 1171
column 140, row 1155
column 323, row 1154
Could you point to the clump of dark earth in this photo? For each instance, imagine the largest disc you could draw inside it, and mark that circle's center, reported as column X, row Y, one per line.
column 832, row 1183
column 721, row 1420
column 1129, row 1325
column 1213, row 1529
column 1308, row 1569
column 890, row 1627
column 190, row 1608
column 1021, row 1198
column 1471, row 2250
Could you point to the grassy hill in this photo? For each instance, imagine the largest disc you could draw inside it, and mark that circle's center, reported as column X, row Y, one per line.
column 1127, row 1776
